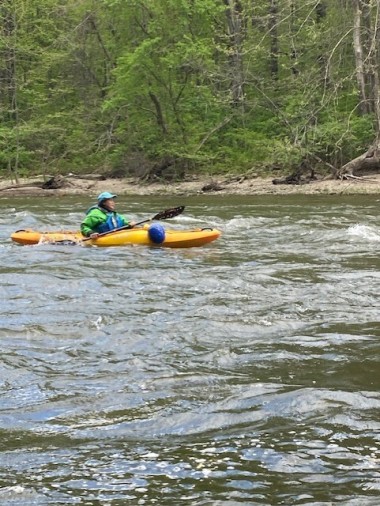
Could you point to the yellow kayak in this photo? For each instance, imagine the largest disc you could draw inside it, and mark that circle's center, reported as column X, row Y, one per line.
column 137, row 235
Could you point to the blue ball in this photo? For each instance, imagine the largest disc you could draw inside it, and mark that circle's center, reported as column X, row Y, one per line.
column 156, row 233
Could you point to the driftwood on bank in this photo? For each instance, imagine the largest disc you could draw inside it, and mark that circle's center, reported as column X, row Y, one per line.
column 213, row 186
column 365, row 164
column 36, row 185
column 302, row 175
column 54, row 183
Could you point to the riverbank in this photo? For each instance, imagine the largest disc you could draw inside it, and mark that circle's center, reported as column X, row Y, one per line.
column 74, row 185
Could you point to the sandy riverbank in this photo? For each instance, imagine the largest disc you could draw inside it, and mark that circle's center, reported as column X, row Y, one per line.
column 227, row 186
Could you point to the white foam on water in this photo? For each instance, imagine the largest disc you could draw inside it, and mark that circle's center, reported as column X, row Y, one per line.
column 364, row 232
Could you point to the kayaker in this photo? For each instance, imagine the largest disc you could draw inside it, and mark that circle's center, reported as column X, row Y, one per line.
column 102, row 217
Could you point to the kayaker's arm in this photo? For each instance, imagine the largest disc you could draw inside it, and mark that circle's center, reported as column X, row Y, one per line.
column 89, row 225
column 127, row 223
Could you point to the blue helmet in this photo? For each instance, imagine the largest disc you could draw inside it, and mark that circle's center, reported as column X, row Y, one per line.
column 105, row 196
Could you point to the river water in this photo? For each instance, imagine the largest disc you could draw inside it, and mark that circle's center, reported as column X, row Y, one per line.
column 243, row 372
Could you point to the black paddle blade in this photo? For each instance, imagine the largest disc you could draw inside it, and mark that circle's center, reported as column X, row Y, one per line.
column 169, row 213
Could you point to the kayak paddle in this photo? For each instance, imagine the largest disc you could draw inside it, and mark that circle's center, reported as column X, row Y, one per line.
column 163, row 215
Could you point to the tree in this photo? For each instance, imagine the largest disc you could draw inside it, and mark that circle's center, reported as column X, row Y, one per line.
column 367, row 72
column 9, row 86
column 236, row 36
column 167, row 93
column 161, row 87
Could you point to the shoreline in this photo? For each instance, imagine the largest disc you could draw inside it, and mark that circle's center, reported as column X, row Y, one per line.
column 74, row 185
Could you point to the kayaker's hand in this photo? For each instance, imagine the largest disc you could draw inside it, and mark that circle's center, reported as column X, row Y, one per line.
column 94, row 235
column 131, row 224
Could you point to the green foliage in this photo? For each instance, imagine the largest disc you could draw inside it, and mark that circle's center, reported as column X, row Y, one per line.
column 87, row 85
column 342, row 137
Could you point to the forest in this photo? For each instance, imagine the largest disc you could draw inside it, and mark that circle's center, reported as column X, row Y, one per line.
column 166, row 88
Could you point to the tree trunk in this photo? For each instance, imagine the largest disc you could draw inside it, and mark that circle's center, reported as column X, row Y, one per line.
column 321, row 13
column 376, row 81
column 369, row 162
column 368, row 46
column 359, row 59
column 235, row 32
column 9, row 29
column 274, row 50
column 159, row 115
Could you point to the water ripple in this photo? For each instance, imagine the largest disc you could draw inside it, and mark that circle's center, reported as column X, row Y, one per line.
column 243, row 372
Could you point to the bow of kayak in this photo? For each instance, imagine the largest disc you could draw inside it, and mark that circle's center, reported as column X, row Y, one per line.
column 139, row 235
column 29, row 237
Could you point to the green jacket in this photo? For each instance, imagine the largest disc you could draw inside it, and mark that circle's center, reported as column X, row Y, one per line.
column 96, row 217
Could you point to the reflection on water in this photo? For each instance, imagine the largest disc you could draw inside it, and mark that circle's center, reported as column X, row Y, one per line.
column 243, row 372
